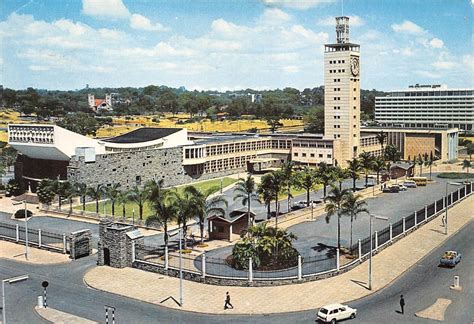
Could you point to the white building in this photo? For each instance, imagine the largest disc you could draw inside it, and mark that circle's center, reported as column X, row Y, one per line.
column 427, row 106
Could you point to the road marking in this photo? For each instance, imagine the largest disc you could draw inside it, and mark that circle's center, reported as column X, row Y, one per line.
column 435, row 311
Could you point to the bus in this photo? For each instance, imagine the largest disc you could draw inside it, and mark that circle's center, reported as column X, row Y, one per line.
column 420, row 181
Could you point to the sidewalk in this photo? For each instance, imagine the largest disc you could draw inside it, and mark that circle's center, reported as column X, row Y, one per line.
column 387, row 266
column 16, row 252
column 55, row 316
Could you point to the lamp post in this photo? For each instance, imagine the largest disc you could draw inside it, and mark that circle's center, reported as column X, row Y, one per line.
column 10, row 281
column 26, row 226
column 133, row 216
column 180, row 270
column 371, row 246
column 446, row 215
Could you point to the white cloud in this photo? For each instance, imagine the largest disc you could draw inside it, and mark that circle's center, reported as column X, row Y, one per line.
column 227, row 29
column 408, row 27
column 468, row 61
column 354, row 21
column 443, row 65
column 436, row 43
column 427, row 74
column 274, row 16
column 290, row 69
column 143, row 23
column 113, row 9
column 38, row 68
column 407, row 51
column 296, row 4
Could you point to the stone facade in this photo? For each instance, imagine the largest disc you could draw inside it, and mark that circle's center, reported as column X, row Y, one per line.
column 80, row 244
column 136, row 168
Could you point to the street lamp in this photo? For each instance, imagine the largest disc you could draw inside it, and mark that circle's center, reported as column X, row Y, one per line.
column 371, row 246
column 10, row 281
column 446, row 215
column 180, row 269
column 26, row 226
column 133, row 216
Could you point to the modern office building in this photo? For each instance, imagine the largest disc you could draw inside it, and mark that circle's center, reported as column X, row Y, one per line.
column 427, row 106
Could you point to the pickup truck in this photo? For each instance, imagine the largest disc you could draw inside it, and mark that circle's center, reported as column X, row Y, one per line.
column 450, row 258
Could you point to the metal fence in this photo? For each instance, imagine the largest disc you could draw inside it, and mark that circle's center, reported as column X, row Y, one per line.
column 38, row 237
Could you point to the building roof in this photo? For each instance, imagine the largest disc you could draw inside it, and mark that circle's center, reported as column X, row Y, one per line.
column 402, row 165
column 145, row 134
column 98, row 102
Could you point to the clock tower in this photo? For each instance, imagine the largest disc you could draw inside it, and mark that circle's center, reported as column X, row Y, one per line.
column 342, row 91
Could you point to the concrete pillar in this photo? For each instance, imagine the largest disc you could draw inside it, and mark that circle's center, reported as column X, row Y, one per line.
column 133, row 251
column 250, row 270
column 391, row 232
column 404, row 226
column 39, row 238
column 360, row 251
column 456, row 281
column 166, row 258
column 337, row 260
column 426, row 212
column 376, row 240
column 17, row 227
column 300, row 270
column 435, row 207
column 459, row 194
column 203, row 265
column 64, row 243
column 452, row 198
column 445, row 202
column 416, row 222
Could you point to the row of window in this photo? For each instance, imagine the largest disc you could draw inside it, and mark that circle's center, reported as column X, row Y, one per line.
column 338, row 61
column 337, row 71
column 320, row 155
column 433, row 93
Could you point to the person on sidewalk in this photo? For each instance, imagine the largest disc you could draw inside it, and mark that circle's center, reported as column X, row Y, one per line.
column 227, row 301
column 402, row 303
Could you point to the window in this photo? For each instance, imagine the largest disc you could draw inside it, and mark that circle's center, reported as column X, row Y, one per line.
column 329, row 156
column 296, row 154
column 312, row 155
column 138, row 180
column 320, row 155
column 303, row 154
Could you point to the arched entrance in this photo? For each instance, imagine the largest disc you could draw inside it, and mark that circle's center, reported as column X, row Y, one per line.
column 106, row 256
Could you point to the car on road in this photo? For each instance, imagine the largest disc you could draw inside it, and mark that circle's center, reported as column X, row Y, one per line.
column 394, row 188
column 450, row 258
column 335, row 312
column 402, row 187
column 409, row 184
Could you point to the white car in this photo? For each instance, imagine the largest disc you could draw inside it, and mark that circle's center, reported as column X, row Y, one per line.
column 409, row 184
column 402, row 187
column 335, row 312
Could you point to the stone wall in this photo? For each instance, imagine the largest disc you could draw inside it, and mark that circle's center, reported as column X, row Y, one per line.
column 80, row 244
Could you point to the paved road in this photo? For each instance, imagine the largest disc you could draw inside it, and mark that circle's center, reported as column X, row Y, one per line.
column 421, row 285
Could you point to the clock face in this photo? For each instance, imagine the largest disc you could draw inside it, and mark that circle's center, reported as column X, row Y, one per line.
column 355, row 66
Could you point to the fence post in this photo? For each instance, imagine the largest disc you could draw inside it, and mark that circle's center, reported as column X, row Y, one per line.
column 404, row 226
column 300, row 270
column 250, row 270
column 445, row 202
column 17, row 232
column 452, row 194
column 166, row 258
column 337, row 260
column 360, row 251
column 203, row 265
column 426, row 212
column 435, row 207
column 416, row 222
column 64, row 243
column 39, row 237
column 133, row 251
column 376, row 240
column 459, row 194
column 391, row 233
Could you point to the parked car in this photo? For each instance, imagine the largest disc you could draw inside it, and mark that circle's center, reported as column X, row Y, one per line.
column 450, row 258
column 335, row 312
column 394, row 188
column 409, row 184
column 402, row 187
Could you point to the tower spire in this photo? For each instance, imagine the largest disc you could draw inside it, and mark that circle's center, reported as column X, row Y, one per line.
column 342, row 30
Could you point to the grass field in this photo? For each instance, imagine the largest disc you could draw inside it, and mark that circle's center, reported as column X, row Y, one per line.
column 147, row 210
column 295, row 192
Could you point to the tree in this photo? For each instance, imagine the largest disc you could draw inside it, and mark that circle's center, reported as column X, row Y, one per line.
column 429, row 163
column 465, row 165
column 139, row 196
column 246, row 190
column 81, row 190
column 112, row 193
column 265, row 193
column 166, row 210
column 326, row 174
column 470, row 150
column 306, row 179
column 45, row 191
column 420, row 162
column 381, row 139
column 204, row 206
column 366, row 163
column 288, row 170
column 62, row 189
column 185, row 209
column 354, row 169
column 378, row 165
column 391, row 153
column 274, row 123
column 95, row 193
column 314, row 120
column 334, row 206
column 274, row 182
column 340, row 175
column 123, row 197
column 353, row 206
column 80, row 123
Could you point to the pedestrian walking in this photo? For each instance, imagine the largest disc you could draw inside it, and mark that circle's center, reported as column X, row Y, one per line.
column 402, row 303
column 443, row 220
column 227, row 301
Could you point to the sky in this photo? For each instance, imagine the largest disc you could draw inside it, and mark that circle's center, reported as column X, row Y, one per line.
column 230, row 44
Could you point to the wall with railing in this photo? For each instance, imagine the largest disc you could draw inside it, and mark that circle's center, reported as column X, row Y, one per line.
column 213, row 270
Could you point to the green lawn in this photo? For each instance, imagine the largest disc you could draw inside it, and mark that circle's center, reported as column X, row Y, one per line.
column 456, row 175
column 147, row 210
column 295, row 192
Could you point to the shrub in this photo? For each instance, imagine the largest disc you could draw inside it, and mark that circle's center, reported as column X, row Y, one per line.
column 456, row 175
column 20, row 213
column 13, row 188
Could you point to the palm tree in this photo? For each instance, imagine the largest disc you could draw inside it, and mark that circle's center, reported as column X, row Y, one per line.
column 326, row 174
column 465, row 165
column 122, row 198
column 185, row 209
column 60, row 189
column 205, row 206
column 112, row 193
column 265, row 192
column 155, row 189
column 378, row 166
column 247, row 191
column 353, row 206
column 69, row 193
column 334, row 206
column 95, row 193
column 275, row 181
column 288, row 170
column 340, row 175
column 366, row 163
column 429, row 163
column 381, row 139
column 139, row 196
column 306, row 179
column 354, row 169
column 420, row 162
column 81, row 189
